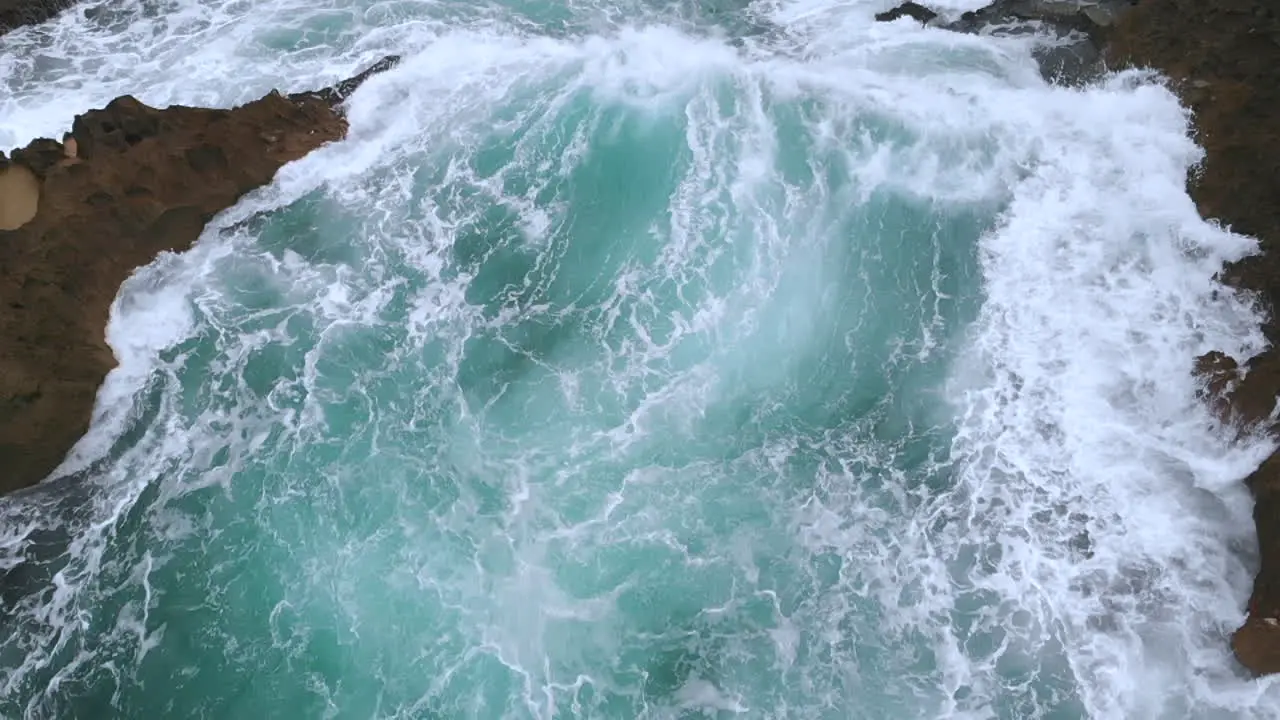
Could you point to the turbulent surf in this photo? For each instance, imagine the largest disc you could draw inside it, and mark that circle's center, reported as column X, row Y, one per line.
column 644, row 360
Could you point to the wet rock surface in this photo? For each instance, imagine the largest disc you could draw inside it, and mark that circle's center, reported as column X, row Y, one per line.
column 1257, row 645
column 1223, row 59
column 127, row 182
column 16, row 13
column 915, row 11
column 1093, row 19
column 1074, row 31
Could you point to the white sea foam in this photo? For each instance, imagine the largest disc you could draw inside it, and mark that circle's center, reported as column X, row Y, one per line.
column 1081, row 424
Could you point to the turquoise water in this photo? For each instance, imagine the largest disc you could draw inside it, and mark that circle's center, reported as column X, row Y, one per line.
column 645, row 361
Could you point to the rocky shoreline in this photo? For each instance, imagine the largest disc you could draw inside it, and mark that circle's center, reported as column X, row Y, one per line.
column 78, row 216
column 1223, row 61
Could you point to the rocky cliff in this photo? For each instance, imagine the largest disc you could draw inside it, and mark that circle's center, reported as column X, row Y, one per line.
column 78, row 216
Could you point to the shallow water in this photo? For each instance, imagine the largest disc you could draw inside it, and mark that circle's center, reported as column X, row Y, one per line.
column 634, row 359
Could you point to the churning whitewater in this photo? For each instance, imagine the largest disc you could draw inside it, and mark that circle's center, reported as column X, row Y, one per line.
column 643, row 360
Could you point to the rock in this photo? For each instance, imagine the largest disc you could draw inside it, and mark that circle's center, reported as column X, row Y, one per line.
column 1078, row 28
column 1257, row 644
column 912, row 10
column 1103, row 17
column 1223, row 59
column 16, row 13
column 40, row 156
column 1239, row 396
column 338, row 93
column 129, row 182
column 1094, row 19
column 1091, row 18
column 1220, row 374
column 1069, row 64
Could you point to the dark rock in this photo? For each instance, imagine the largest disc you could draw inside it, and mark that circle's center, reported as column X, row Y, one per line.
column 1072, row 63
column 123, row 123
column 128, row 182
column 340, row 92
column 16, row 13
column 912, row 10
column 1094, row 19
column 1078, row 30
column 1221, row 375
column 40, row 156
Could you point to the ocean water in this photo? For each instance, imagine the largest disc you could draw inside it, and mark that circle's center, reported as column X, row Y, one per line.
column 635, row 359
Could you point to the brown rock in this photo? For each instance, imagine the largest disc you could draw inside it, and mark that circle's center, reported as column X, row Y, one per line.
column 1257, row 644
column 1095, row 20
column 139, row 180
column 1220, row 374
column 1244, row 397
column 1264, row 601
column 1223, row 59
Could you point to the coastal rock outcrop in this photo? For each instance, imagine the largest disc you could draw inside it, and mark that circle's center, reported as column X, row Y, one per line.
column 78, row 216
column 1223, row 59
column 915, row 11
column 16, row 13
column 1079, row 30
column 1094, row 19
